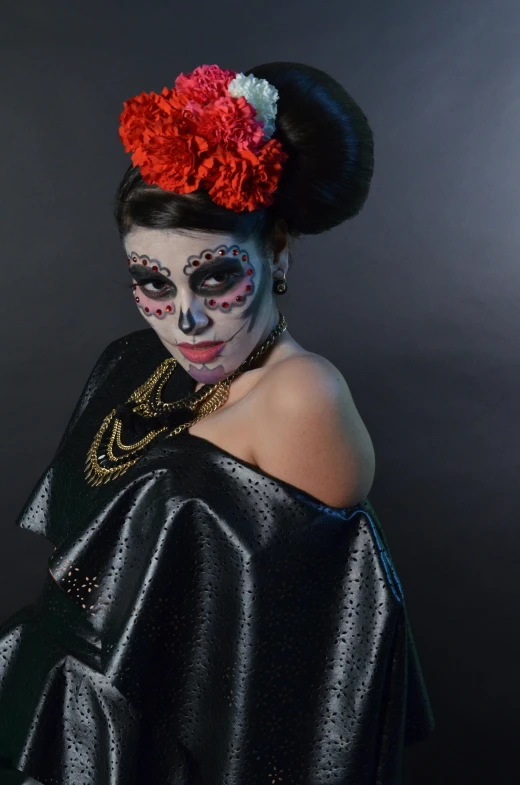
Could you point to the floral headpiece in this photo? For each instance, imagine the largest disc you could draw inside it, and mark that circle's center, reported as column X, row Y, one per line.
column 212, row 131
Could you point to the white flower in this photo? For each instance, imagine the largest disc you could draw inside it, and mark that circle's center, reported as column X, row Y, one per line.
column 260, row 94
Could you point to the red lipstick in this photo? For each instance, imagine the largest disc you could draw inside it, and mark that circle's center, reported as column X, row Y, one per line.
column 201, row 352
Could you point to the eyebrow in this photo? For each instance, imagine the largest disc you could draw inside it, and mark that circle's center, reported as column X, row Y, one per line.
column 140, row 272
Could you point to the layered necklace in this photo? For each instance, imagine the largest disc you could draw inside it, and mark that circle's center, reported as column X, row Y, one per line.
column 144, row 413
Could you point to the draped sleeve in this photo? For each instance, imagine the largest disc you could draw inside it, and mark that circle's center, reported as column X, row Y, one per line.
column 106, row 362
column 35, row 514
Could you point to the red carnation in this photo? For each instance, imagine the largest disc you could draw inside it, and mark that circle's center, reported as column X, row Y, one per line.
column 197, row 135
column 245, row 180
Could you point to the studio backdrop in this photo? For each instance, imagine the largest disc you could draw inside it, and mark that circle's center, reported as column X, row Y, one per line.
column 415, row 300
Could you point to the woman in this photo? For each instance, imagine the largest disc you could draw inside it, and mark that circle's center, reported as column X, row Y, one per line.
column 221, row 605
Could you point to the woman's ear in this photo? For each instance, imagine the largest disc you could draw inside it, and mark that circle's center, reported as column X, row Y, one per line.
column 280, row 235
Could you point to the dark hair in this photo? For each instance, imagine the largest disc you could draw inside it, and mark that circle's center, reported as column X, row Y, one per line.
column 324, row 182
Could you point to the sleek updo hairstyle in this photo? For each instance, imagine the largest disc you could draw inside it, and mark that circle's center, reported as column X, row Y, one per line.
column 324, row 182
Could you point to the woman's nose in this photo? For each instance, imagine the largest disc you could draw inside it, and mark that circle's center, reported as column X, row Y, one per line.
column 192, row 320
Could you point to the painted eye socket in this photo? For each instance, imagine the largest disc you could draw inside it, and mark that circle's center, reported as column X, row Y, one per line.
column 160, row 289
column 227, row 277
column 153, row 282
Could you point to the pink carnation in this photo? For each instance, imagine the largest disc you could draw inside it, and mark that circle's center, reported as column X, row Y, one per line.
column 230, row 121
column 205, row 84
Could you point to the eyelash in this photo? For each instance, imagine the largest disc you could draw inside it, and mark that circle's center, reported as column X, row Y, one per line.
column 145, row 281
column 160, row 293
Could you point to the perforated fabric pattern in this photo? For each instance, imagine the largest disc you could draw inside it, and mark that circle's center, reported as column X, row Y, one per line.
column 202, row 622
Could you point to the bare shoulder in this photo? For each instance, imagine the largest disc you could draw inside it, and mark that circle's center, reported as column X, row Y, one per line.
column 310, row 433
column 320, row 375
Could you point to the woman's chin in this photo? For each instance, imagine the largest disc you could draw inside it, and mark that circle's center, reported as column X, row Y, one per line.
column 206, row 375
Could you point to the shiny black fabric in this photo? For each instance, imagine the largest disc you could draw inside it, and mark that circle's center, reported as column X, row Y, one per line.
column 202, row 623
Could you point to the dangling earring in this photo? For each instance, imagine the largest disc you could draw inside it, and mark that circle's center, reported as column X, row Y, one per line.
column 280, row 287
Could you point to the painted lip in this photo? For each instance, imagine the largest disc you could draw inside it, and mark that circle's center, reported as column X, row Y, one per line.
column 207, row 351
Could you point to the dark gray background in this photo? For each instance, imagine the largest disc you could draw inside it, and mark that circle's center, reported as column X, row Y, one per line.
column 415, row 300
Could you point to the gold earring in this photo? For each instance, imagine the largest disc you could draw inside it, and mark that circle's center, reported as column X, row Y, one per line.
column 280, row 287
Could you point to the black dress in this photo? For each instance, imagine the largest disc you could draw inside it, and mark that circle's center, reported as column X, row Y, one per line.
column 202, row 623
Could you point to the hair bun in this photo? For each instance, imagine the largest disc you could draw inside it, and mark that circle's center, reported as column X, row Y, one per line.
column 326, row 134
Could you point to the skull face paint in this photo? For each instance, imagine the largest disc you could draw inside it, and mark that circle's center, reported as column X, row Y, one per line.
column 147, row 300
column 198, row 289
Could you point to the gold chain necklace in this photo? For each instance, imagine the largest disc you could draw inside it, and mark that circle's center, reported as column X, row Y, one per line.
column 146, row 401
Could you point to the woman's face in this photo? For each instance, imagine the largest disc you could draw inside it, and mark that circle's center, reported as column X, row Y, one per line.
column 198, row 289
